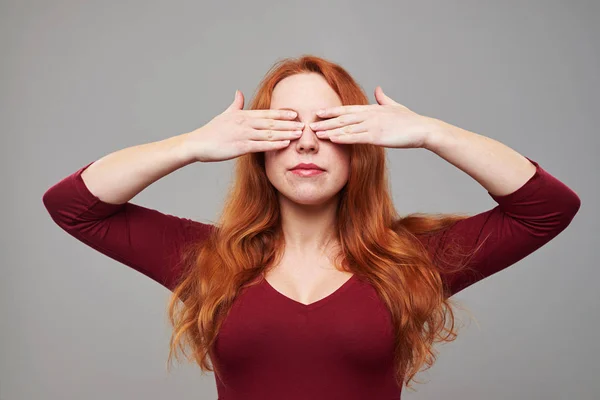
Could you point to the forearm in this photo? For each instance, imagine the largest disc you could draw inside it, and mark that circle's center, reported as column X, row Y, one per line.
column 498, row 168
column 119, row 176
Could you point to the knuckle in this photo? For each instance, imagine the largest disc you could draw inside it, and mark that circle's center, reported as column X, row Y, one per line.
column 242, row 133
column 243, row 147
column 239, row 119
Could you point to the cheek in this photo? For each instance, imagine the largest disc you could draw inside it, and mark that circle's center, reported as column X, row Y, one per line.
column 271, row 160
column 342, row 159
column 273, row 166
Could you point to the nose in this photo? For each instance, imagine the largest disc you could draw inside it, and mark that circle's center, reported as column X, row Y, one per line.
column 308, row 139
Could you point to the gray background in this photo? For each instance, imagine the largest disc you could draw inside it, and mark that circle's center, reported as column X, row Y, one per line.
column 83, row 79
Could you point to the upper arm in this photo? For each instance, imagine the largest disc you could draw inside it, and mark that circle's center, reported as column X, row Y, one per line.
column 522, row 222
column 144, row 239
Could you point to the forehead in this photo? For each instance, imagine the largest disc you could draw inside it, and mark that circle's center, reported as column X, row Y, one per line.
column 304, row 93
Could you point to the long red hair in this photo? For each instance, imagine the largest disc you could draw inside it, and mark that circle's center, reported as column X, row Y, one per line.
column 376, row 244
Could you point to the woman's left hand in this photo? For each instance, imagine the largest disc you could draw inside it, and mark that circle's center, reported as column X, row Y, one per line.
column 387, row 124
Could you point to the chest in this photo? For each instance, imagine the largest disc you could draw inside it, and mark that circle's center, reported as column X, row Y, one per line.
column 308, row 284
column 348, row 330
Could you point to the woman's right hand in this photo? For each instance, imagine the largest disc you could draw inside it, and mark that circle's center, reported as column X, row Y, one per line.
column 236, row 131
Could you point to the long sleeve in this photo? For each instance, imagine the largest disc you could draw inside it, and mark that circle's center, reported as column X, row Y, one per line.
column 142, row 238
column 522, row 222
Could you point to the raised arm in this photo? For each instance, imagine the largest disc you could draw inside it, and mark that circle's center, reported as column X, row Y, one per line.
column 522, row 222
column 533, row 206
column 92, row 205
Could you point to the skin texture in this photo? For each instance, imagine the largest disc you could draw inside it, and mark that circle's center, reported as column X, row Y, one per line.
column 308, row 204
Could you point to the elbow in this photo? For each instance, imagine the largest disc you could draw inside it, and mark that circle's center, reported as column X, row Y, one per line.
column 48, row 201
column 55, row 207
column 52, row 201
column 573, row 204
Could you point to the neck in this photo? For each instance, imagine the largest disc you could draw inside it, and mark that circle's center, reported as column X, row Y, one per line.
column 309, row 229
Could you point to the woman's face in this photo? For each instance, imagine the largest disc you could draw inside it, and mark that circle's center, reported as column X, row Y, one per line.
column 306, row 93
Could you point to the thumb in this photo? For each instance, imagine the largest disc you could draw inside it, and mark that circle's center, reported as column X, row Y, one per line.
column 238, row 102
column 382, row 98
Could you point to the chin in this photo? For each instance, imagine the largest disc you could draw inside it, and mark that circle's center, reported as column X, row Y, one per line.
column 309, row 202
column 311, row 199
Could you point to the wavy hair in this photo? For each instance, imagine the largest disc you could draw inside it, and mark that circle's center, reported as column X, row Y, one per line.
column 376, row 243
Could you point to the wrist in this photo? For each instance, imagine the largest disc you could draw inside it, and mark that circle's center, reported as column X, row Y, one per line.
column 438, row 130
column 181, row 148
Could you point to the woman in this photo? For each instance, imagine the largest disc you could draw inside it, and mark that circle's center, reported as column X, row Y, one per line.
column 312, row 286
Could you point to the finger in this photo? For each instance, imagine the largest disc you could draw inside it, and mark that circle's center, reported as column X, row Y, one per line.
column 346, row 130
column 363, row 137
column 273, row 135
column 272, row 114
column 339, row 110
column 258, row 146
column 337, row 122
column 264, row 123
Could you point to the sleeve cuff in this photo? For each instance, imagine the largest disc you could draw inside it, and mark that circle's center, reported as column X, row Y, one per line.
column 526, row 189
column 89, row 198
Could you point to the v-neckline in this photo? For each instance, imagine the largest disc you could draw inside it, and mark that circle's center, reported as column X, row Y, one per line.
column 315, row 304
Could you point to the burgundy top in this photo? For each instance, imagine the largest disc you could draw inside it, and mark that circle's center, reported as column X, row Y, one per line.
column 273, row 347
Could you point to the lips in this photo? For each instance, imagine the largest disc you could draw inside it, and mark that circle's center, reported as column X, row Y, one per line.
column 307, row 166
